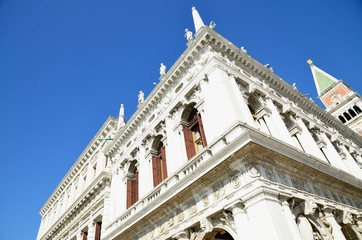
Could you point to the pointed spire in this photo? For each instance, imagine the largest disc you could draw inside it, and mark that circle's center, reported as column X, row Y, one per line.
column 121, row 122
column 322, row 79
column 197, row 19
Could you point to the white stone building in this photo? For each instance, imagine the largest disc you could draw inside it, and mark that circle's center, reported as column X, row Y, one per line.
column 222, row 148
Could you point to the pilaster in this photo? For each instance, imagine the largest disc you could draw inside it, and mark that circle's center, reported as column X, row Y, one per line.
column 336, row 228
column 266, row 215
column 241, row 220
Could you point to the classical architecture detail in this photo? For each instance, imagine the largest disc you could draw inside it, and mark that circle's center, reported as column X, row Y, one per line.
column 162, row 69
column 222, row 148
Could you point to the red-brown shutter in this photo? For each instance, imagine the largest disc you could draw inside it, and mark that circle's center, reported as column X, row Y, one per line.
column 163, row 163
column 155, row 170
column 106, row 161
column 129, row 193
column 136, row 187
column 85, row 236
column 189, row 143
column 97, row 235
column 201, row 129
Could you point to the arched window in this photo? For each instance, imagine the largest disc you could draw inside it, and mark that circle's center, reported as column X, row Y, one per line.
column 347, row 116
column 352, row 113
column 132, row 185
column 159, row 165
column 342, row 119
column 357, row 109
column 193, row 131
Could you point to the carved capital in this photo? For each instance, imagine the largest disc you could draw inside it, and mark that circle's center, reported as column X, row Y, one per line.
column 182, row 235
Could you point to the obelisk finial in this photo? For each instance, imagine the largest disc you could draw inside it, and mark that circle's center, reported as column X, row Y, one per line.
column 197, row 19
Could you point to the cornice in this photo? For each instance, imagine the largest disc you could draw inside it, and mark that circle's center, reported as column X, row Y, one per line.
column 207, row 35
column 106, row 128
column 97, row 183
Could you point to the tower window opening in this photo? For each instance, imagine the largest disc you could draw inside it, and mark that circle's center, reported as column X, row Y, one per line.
column 347, row 116
column 353, row 114
column 357, row 109
column 342, row 119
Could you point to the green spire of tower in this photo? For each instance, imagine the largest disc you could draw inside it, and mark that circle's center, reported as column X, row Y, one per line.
column 322, row 79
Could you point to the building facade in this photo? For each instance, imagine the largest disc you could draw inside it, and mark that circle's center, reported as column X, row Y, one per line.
column 222, row 148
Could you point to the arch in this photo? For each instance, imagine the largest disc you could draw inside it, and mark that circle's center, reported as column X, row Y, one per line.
column 352, row 113
column 342, row 119
column 193, row 130
column 347, row 116
column 159, row 165
column 357, row 109
column 219, row 233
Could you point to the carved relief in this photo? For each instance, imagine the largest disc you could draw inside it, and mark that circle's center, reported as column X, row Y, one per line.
column 205, row 200
column 219, row 191
column 206, row 225
column 270, row 175
column 227, row 219
column 181, row 216
column 253, row 171
column 235, row 182
column 283, row 178
column 193, row 234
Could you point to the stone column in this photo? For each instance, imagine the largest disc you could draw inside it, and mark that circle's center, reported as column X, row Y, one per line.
column 80, row 236
column 241, row 106
column 281, row 130
column 290, row 219
column 107, row 205
column 308, row 141
column 351, row 163
column 91, row 230
column 331, row 153
column 266, row 215
column 336, row 228
column 218, row 103
column 241, row 220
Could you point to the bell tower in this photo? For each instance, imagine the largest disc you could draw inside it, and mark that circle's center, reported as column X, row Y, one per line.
column 339, row 98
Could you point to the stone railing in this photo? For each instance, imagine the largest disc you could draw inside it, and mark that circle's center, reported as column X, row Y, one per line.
column 191, row 166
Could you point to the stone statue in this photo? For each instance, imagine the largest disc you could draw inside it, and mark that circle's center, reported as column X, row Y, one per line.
column 162, row 69
column 310, row 207
column 243, row 49
column 188, row 35
column 141, row 97
column 121, row 122
column 212, row 25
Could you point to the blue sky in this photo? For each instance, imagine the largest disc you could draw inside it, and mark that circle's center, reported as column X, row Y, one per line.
column 65, row 66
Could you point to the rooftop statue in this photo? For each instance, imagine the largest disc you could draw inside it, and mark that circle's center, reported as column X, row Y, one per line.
column 141, row 97
column 188, row 35
column 162, row 69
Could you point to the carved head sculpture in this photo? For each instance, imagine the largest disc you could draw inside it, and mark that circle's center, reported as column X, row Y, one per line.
column 310, row 207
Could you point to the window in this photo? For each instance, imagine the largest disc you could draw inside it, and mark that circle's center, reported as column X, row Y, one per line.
column 352, row 113
column 159, row 165
column 347, row 116
column 341, row 119
column 357, row 109
column 97, row 235
column 194, row 134
column 132, row 187
column 85, row 235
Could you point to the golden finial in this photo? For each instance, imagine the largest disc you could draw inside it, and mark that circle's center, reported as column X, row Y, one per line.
column 310, row 62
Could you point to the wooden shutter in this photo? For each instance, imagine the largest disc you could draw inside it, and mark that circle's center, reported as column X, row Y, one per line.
column 201, row 129
column 85, row 236
column 129, row 193
column 163, row 163
column 106, row 161
column 136, row 187
column 189, row 143
column 97, row 235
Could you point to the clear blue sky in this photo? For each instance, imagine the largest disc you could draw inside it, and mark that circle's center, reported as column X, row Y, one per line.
column 65, row 66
